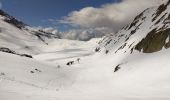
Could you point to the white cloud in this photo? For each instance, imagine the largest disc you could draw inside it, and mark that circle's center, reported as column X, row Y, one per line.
column 76, row 34
column 84, row 34
column 112, row 16
column 97, row 22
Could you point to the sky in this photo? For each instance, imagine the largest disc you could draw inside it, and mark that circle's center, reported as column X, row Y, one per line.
column 39, row 12
column 77, row 19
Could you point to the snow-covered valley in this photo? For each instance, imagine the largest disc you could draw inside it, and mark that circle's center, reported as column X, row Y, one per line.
column 141, row 77
column 132, row 64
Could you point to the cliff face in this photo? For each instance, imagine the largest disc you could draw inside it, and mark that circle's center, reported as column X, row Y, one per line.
column 154, row 41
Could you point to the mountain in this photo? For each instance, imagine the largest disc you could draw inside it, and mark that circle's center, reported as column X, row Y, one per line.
column 20, row 37
column 12, row 20
column 21, row 25
column 149, row 32
column 132, row 64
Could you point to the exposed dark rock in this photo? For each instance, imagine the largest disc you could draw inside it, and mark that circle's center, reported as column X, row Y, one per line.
column 137, row 19
column 160, row 10
column 154, row 41
column 107, row 51
column 7, row 50
column 108, row 42
column 161, row 19
column 12, row 20
column 131, row 51
column 26, row 55
column 117, row 68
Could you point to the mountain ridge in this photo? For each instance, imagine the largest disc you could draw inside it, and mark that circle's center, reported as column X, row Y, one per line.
column 142, row 33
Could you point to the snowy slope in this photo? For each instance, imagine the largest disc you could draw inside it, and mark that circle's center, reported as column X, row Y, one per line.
column 20, row 37
column 125, row 68
column 148, row 29
column 16, row 39
column 140, row 77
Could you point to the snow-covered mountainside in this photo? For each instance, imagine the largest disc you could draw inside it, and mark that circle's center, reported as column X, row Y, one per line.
column 149, row 32
column 20, row 37
column 130, row 65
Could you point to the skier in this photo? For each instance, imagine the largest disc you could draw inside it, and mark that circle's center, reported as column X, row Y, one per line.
column 78, row 60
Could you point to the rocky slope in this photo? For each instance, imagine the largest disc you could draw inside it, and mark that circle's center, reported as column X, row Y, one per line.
column 149, row 32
